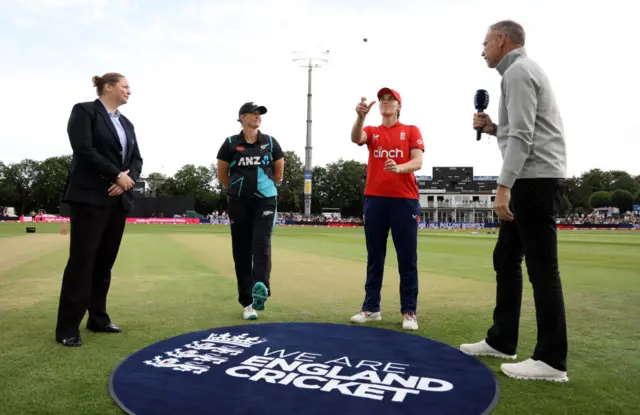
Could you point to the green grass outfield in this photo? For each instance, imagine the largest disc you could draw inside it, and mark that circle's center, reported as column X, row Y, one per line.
column 172, row 279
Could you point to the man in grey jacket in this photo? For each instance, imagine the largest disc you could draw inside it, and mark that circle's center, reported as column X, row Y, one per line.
column 530, row 189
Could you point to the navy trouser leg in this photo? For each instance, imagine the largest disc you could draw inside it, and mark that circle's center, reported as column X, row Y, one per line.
column 376, row 229
column 404, row 231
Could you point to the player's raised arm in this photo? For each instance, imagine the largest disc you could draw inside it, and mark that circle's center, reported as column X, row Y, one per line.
column 358, row 136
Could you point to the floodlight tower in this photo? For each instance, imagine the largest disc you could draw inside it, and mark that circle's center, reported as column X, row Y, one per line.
column 309, row 60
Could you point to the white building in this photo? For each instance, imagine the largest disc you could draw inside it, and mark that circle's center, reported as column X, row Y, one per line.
column 454, row 194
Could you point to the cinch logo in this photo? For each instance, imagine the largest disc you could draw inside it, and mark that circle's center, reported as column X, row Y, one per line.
column 394, row 153
column 249, row 161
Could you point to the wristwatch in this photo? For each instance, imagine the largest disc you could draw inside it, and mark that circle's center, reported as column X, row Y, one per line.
column 495, row 129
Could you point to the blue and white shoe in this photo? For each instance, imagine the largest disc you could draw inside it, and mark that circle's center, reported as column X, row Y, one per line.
column 260, row 295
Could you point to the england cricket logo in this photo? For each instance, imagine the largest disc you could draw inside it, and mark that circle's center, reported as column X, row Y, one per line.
column 200, row 356
column 344, row 375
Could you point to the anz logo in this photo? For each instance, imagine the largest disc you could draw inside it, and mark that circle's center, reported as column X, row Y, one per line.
column 249, row 161
column 253, row 161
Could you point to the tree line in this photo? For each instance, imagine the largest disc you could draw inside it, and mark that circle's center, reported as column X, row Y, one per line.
column 597, row 188
column 32, row 185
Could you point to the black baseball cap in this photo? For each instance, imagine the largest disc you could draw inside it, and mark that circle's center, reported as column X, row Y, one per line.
column 250, row 108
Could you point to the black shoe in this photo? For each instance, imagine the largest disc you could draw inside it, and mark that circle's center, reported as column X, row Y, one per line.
column 109, row 328
column 70, row 341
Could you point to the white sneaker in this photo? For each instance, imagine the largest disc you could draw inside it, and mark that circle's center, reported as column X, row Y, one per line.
column 483, row 349
column 533, row 370
column 249, row 313
column 366, row 317
column 410, row 321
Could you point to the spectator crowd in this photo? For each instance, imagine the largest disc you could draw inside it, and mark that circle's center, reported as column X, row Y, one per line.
column 594, row 218
column 283, row 217
column 601, row 218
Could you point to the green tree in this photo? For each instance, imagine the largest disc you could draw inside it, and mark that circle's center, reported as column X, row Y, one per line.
column 49, row 182
column 347, row 180
column 621, row 180
column 18, row 180
column 192, row 180
column 169, row 187
column 6, row 193
column 197, row 181
column 218, row 195
column 622, row 199
column 600, row 199
column 595, row 180
column 292, row 185
column 574, row 195
column 565, row 206
column 320, row 191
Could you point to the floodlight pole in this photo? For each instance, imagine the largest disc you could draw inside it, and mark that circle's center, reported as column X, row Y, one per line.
column 310, row 62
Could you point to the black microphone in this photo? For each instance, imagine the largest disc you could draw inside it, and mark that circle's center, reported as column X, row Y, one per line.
column 481, row 101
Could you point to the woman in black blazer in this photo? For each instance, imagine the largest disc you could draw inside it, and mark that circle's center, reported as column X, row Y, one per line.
column 106, row 164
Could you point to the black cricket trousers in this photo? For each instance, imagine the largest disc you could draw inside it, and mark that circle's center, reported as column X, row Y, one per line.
column 535, row 204
column 96, row 234
column 252, row 221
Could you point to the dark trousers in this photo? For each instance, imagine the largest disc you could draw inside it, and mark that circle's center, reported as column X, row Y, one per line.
column 95, row 240
column 535, row 204
column 402, row 217
column 252, row 222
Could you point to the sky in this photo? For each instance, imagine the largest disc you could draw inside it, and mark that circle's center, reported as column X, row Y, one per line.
column 191, row 64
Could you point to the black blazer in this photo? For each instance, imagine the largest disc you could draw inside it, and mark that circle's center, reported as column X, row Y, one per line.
column 97, row 157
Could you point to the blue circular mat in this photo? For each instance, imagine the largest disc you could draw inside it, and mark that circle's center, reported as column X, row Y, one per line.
column 302, row 368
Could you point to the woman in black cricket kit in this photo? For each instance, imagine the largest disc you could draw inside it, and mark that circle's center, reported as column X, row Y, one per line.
column 250, row 164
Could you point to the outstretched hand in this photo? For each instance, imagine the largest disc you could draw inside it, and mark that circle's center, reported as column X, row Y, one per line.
column 362, row 109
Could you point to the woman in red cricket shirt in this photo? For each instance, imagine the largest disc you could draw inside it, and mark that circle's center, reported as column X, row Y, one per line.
column 391, row 202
